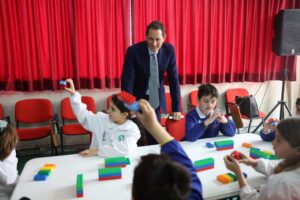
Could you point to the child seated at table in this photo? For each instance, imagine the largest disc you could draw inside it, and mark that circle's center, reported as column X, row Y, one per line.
column 167, row 176
column 113, row 134
column 267, row 133
column 206, row 121
column 8, row 159
column 283, row 178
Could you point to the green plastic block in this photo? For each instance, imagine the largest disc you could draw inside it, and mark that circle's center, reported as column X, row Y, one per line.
column 204, row 161
column 109, row 170
column 79, row 184
column 224, row 142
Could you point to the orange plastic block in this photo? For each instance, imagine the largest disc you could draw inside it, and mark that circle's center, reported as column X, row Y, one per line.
column 247, row 145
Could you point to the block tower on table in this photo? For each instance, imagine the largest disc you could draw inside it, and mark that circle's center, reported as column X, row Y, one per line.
column 44, row 172
column 116, row 161
column 224, row 145
column 204, row 164
column 79, row 186
column 109, row 173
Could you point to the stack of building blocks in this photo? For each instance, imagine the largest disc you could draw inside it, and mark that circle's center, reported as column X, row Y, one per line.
column 224, row 145
column 116, row 161
column 257, row 153
column 247, row 145
column 44, row 172
column 109, row 173
column 209, row 145
column 129, row 101
column 228, row 178
column 79, row 186
column 204, row 164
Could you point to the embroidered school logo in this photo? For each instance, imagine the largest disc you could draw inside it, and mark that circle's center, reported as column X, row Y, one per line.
column 121, row 138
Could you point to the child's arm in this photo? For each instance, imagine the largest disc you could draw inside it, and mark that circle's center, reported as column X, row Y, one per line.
column 169, row 146
column 228, row 129
column 193, row 129
column 89, row 120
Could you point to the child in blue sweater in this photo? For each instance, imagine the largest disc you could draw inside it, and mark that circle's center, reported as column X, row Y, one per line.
column 166, row 176
column 206, row 121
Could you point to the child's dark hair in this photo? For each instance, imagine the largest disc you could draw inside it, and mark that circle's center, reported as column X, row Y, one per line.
column 120, row 104
column 298, row 101
column 206, row 90
column 160, row 178
column 8, row 141
column 289, row 129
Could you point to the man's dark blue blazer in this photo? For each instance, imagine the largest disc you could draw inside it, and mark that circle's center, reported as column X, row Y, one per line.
column 136, row 73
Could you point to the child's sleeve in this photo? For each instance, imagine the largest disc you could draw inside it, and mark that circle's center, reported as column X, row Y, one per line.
column 87, row 119
column 268, row 137
column 175, row 151
column 228, row 129
column 266, row 167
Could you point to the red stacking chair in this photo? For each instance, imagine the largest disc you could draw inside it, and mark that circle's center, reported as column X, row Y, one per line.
column 38, row 114
column 69, row 121
column 230, row 96
column 1, row 112
column 169, row 107
column 176, row 128
column 193, row 99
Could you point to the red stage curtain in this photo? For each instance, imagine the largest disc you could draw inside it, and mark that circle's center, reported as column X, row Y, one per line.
column 218, row 40
column 43, row 41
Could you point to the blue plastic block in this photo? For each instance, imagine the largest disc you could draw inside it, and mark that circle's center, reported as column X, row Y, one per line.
column 40, row 177
column 64, row 83
column 209, row 145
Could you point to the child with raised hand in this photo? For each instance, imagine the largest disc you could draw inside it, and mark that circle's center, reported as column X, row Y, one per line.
column 267, row 133
column 166, row 176
column 113, row 134
column 206, row 121
column 283, row 178
column 8, row 159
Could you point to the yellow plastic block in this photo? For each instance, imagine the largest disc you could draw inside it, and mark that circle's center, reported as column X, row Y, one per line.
column 267, row 152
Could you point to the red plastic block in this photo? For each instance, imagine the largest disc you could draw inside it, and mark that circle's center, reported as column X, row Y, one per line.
column 127, row 97
column 236, row 155
column 110, row 178
column 225, row 148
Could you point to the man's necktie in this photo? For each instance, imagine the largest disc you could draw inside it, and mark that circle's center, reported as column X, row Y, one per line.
column 153, row 82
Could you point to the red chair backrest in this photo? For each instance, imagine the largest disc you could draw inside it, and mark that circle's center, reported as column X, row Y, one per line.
column 66, row 109
column 176, row 128
column 232, row 93
column 169, row 103
column 108, row 100
column 1, row 112
column 33, row 110
column 194, row 98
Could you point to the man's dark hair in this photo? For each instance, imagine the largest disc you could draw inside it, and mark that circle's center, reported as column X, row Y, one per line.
column 206, row 90
column 161, row 178
column 156, row 25
column 298, row 101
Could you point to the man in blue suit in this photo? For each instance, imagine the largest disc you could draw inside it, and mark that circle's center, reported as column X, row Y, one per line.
column 136, row 70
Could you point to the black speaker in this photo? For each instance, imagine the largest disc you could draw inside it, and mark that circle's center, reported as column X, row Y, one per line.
column 287, row 32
